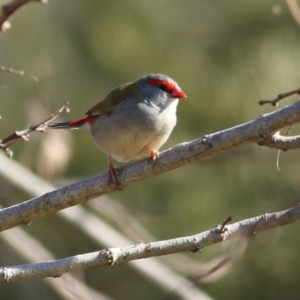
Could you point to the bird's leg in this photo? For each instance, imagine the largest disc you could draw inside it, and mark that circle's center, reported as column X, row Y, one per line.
column 112, row 172
column 153, row 154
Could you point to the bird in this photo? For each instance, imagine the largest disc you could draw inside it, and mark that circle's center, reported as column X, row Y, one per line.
column 134, row 120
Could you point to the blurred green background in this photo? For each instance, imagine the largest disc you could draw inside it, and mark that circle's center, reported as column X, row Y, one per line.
column 225, row 55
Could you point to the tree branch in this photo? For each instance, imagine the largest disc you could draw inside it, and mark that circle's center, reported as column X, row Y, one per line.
column 279, row 97
column 257, row 131
column 281, row 142
column 99, row 231
column 23, row 135
column 18, row 72
column 194, row 243
column 10, row 8
column 32, row 250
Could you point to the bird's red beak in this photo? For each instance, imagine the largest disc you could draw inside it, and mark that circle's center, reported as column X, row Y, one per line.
column 178, row 93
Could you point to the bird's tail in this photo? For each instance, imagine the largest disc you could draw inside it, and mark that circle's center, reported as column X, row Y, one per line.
column 71, row 124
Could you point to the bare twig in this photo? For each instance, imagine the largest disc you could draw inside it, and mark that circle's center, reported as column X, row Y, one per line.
column 223, row 226
column 279, row 151
column 10, row 8
column 194, row 243
column 23, row 135
column 18, row 72
column 275, row 101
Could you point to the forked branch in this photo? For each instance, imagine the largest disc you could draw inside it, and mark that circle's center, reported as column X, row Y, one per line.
column 23, row 135
column 281, row 96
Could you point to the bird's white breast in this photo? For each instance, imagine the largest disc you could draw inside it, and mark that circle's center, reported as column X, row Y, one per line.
column 134, row 128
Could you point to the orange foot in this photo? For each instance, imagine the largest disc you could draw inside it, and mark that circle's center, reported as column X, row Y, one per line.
column 153, row 154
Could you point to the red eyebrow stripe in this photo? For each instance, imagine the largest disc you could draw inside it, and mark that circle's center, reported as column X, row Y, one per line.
column 158, row 82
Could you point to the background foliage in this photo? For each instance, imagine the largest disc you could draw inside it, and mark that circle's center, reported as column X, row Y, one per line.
column 226, row 56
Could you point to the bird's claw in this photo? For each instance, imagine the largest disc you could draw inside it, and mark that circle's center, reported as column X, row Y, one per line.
column 112, row 177
column 153, row 154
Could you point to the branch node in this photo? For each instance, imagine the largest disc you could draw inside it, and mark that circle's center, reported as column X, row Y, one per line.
column 261, row 138
column 205, row 141
column 22, row 135
column 197, row 248
column 281, row 96
column 225, row 222
column 110, row 256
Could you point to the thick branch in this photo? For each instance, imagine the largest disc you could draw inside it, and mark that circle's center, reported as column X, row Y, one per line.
column 281, row 142
column 30, row 249
column 255, row 131
column 194, row 243
column 10, row 8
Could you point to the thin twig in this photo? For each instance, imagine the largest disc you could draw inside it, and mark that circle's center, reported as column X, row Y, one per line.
column 18, row 72
column 23, row 135
column 275, row 101
column 225, row 222
column 279, row 151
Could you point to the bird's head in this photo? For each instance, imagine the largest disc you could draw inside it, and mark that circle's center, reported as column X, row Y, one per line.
column 159, row 87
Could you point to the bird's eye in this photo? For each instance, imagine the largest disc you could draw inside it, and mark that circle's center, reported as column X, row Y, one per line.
column 163, row 87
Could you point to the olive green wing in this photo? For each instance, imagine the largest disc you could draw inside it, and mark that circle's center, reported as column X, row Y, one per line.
column 116, row 96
